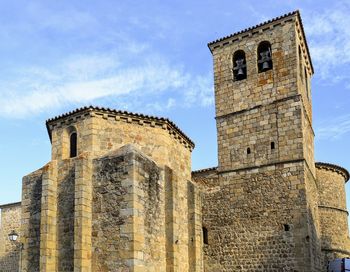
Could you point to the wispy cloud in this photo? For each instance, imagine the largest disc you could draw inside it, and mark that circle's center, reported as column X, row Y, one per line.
column 334, row 128
column 329, row 40
column 85, row 79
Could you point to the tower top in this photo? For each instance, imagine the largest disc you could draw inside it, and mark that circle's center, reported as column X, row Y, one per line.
column 119, row 115
column 260, row 28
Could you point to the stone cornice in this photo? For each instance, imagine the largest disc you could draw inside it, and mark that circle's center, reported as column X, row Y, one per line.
column 123, row 116
column 263, row 27
column 205, row 170
column 335, row 168
column 9, row 205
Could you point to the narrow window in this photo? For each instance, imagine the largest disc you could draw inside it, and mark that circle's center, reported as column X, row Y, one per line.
column 306, row 84
column 272, row 145
column 300, row 64
column 264, row 57
column 205, row 236
column 73, row 145
column 248, row 150
column 286, row 227
column 239, row 65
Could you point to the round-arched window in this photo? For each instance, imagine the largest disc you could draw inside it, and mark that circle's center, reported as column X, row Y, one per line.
column 264, row 57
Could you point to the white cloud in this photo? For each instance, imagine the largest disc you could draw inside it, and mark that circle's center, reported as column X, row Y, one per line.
column 329, row 40
column 85, row 79
column 333, row 128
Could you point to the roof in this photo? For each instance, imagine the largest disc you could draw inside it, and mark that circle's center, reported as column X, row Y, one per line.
column 102, row 110
column 204, row 170
column 8, row 205
column 333, row 167
column 276, row 19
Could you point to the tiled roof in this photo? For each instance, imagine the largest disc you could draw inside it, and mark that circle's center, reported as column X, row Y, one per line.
column 204, row 170
column 86, row 109
column 293, row 13
column 334, row 167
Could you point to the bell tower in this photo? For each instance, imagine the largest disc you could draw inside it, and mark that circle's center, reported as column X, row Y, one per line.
column 266, row 165
column 262, row 95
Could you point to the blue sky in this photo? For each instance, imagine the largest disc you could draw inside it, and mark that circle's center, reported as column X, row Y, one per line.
column 150, row 57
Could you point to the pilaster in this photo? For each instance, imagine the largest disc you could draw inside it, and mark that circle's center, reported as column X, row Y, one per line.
column 48, row 228
column 83, row 215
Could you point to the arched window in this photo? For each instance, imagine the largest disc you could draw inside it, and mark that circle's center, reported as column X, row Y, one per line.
column 73, row 145
column 264, row 57
column 239, row 65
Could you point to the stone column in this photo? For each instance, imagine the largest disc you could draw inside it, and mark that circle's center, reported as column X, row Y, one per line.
column 83, row 215
column 48, row 218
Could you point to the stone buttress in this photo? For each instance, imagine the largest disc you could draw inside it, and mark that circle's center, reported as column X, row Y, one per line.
column 116, row 196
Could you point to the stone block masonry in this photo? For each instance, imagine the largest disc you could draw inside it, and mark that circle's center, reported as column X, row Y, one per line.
column 118, row 193
column 9, row 221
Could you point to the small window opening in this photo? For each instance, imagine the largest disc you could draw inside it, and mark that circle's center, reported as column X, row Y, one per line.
column 306, row 84
column 239, row 65
column 286, row 227
column 73, row 145
column 248, row 150
column 272, row 145
column 205, row 236
column 264, row 57
column 300, row 64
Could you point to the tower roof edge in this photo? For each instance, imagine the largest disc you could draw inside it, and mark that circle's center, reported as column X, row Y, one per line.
column 217, row 43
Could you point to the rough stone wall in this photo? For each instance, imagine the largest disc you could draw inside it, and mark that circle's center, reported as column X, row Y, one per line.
column 31, row 220
column 279, row 122
column 128, row 213
column 108, row 201
column 9, row 252
column 313, row 237
column 256, row 221
column 333, row 214
column 65, row 216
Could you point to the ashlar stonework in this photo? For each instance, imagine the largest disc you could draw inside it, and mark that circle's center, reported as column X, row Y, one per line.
column 128, row 201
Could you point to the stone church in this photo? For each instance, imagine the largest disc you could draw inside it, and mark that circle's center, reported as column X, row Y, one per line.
column 119, row 194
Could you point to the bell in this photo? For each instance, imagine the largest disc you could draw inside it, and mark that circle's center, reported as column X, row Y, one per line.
column 265, row 66
column 240, row 72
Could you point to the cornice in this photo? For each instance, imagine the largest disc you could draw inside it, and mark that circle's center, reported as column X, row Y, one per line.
column 118, row 115
column 335, row 168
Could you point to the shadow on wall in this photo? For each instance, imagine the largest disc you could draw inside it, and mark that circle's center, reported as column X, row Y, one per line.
column 9, row 262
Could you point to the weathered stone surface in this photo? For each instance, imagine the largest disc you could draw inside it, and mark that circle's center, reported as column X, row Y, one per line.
column 65, row 218
column 31, row 220
column 127, row 201
column 333, row 212
column 9, row 252
column 108, row 202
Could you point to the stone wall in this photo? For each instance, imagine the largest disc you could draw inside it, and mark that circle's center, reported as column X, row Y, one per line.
column 109, row 199
column 256, row 221
column 278, row 122
column 31, row 220
column 65, row 217
column 333, row 213
column 9, row 252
